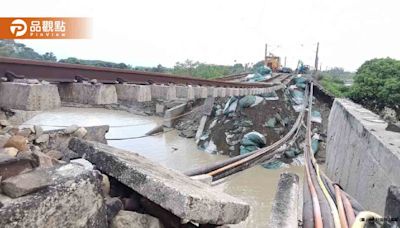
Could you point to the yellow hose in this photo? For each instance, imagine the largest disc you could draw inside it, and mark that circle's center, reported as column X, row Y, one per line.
column 332, row 205
column 363, row 217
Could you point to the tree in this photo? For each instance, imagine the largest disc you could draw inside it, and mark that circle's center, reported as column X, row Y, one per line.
column 49, row 56
column 377, row 84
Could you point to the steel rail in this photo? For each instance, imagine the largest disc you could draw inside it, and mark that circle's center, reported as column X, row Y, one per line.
column 62, row 72
column 317, row 216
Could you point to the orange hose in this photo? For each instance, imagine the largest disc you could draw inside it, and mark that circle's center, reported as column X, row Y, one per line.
column 339, row 202
column 348, row 208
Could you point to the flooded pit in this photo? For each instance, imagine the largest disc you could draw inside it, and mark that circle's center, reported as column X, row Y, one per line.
column 256, row 185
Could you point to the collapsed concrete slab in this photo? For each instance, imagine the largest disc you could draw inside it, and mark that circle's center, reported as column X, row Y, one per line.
column 362, row 156
column 29, row 97
column 171, row 115
column 285, row 204
column 163, row 92
column 131, row 92
column 175, row 192
column 185, row 92
column 85, row 93
column 72, row 200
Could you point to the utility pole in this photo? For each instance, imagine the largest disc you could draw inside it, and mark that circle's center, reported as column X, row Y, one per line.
column 285, row 62
column 316, row 57
column 266, row 51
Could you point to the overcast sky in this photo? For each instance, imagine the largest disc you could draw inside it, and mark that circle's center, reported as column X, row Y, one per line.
column 149, row 32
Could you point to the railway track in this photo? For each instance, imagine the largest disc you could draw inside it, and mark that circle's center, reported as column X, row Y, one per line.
column 61, row 72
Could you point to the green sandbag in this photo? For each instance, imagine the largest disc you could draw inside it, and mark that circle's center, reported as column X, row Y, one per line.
column 247, row 149
column 247, row 101
column 275, row 164
column 315, row 145
column 297, row 96
column 248, row 142
column 256, row 137
column 264, row 70
column 271, row 123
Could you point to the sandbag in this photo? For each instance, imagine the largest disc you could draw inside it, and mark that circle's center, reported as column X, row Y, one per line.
column 231, row 105
column 247, row 101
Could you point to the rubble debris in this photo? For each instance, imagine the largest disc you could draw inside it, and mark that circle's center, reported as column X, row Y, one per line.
column 26, row 183
column 74, row 199
column 17, row 141
column 187, row 199
column 113, row 207
column 231, row 105
column 12, row 166
column 128, row 219
column 316, row 117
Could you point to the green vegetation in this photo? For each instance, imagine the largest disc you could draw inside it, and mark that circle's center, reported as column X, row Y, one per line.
column 377, row 84
column 334, row 80
column 334, row 85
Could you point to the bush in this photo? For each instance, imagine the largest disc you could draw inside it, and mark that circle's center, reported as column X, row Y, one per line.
column 377, row 84
column 335, row 86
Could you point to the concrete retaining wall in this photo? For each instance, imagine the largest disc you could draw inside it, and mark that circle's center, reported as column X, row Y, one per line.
column 130, row 92
column 88, row 93
column 29, row 97
column 362, row 156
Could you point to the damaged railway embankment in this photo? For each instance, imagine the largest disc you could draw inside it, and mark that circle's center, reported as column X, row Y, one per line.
column 242, row 124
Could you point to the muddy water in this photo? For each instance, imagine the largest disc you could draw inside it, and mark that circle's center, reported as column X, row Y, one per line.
column 255, row 186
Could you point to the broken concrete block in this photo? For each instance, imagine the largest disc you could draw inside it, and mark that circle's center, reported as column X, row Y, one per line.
column 163, row 92
column 59, row 141
column 128, row 219
column 17, row 141
column 80, row 133
column 84, row 163
column 171, row 114
column 113, row 206
column 54, row 154
column 73, row 200
column 3, row 140
column 131, row 92
column 26, row 183
column 285, row 204
column 185, row 92
column 12, row 166
column 43, row 160
column 12, row 151
column 44, row 138
column 29, row 97
column 200, row 92
column 175, row 192
column 88, row 93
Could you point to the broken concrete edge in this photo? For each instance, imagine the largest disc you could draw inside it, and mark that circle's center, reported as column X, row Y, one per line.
column 188, row 199
column 74, row 199
column 359, row 148
column 172, row 114
column 285, row 204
